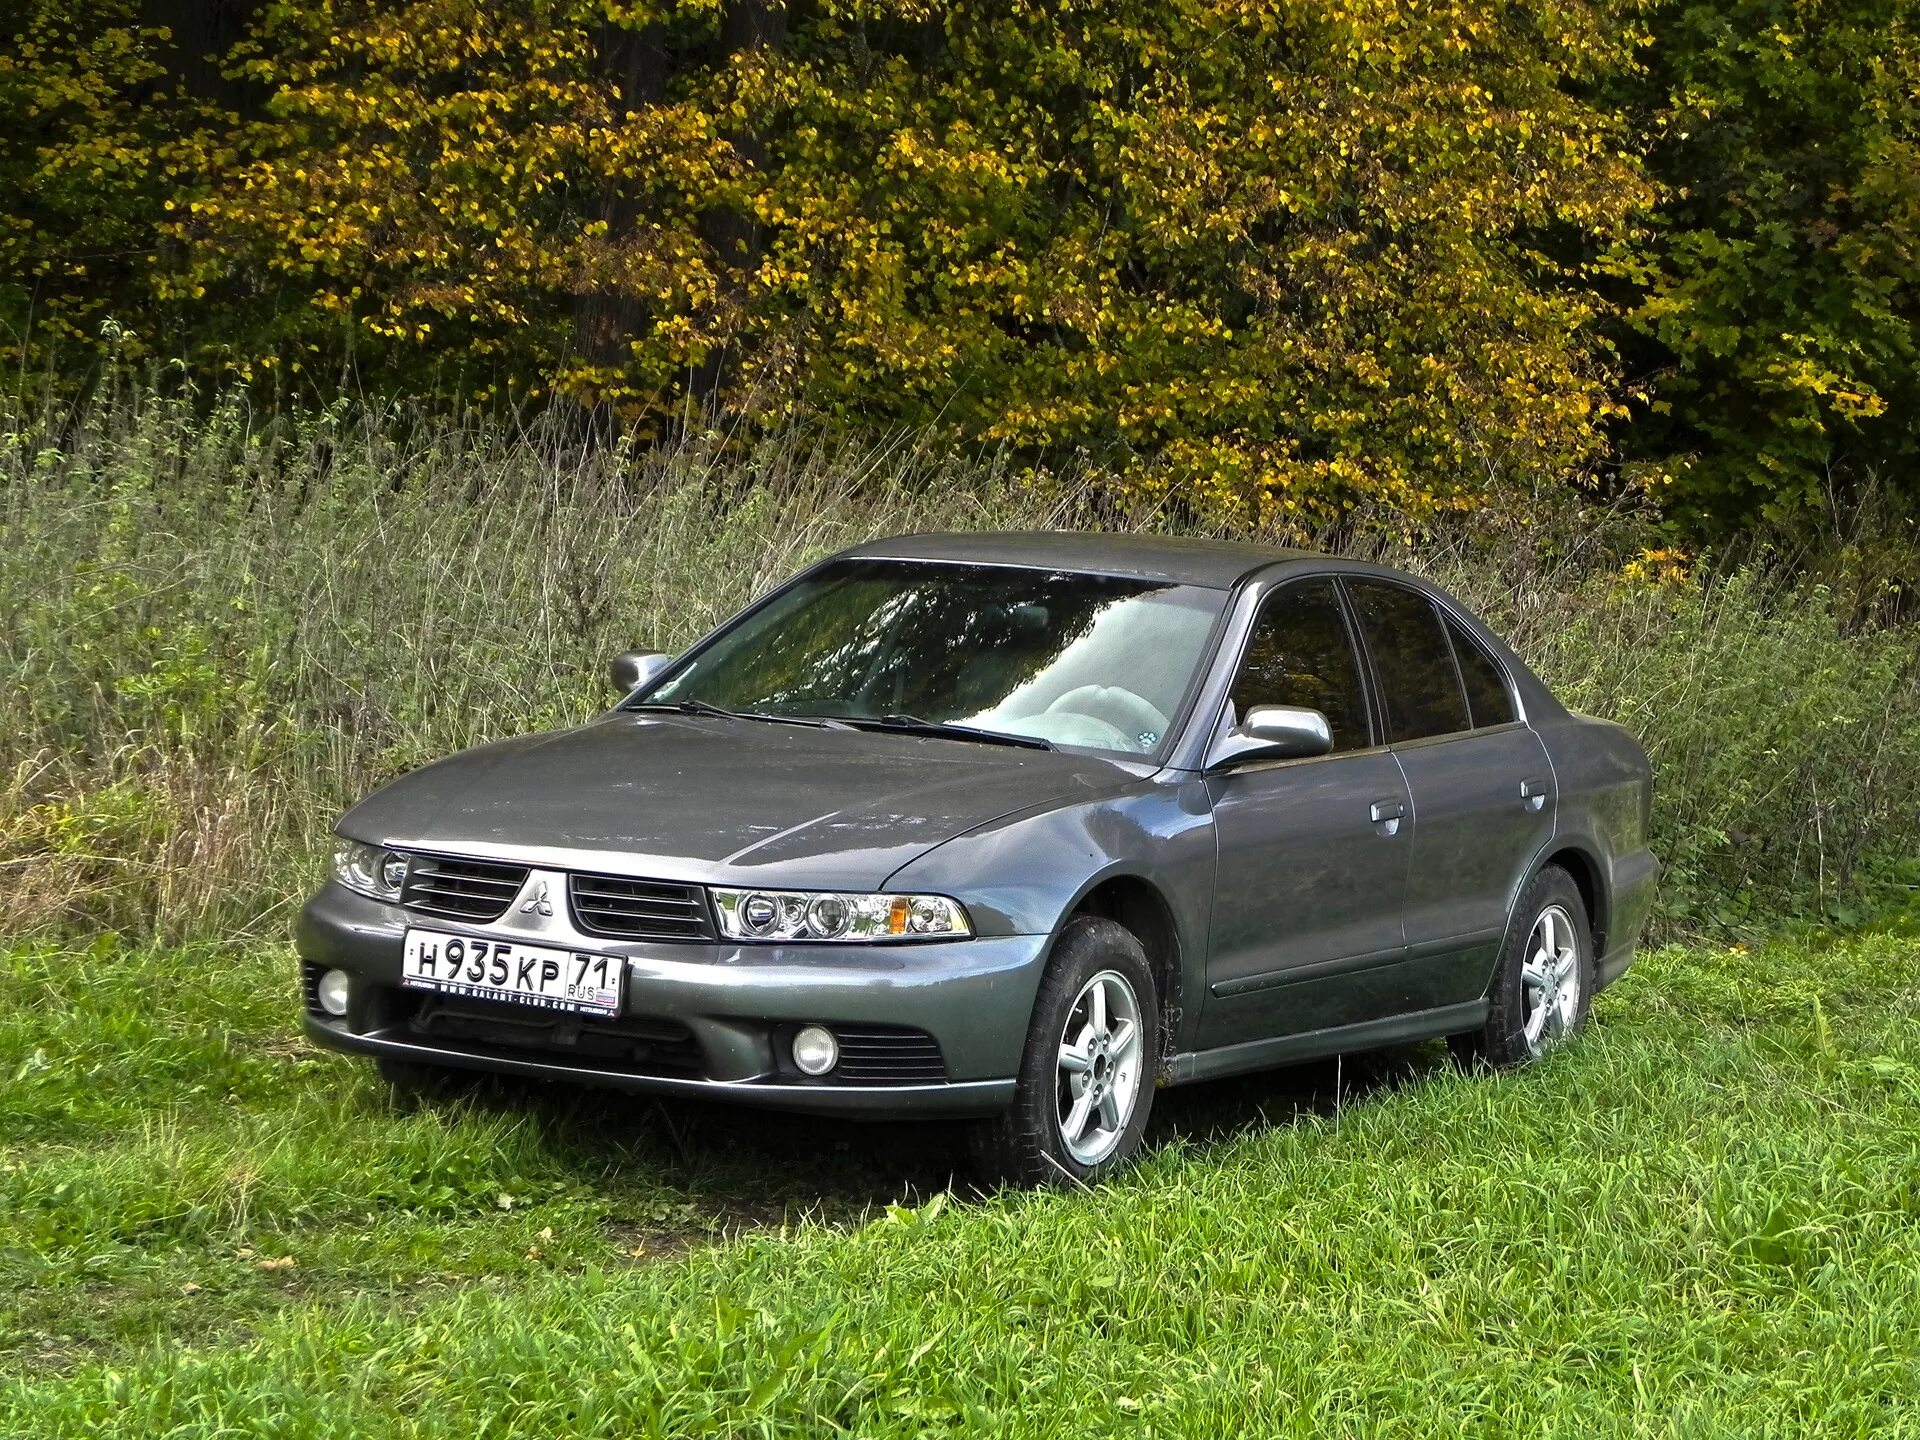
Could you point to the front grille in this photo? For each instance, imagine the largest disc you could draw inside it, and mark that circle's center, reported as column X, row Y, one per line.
column 637, row 1044
column 461, row 889
column 884, row 1055
column 638, row 909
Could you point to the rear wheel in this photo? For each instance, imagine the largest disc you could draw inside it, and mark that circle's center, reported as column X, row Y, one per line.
column 1544, row 987
column 1087, row 1073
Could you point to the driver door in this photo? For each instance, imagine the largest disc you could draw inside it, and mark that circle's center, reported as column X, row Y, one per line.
column 1313, row 853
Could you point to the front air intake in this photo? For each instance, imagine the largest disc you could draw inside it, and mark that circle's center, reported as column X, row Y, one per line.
column 627, row 909
column 461, row 889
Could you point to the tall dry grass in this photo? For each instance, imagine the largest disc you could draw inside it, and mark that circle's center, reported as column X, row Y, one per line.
column 218, row 630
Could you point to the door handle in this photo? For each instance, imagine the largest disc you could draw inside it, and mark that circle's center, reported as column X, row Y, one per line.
column 1387, row 815
column 1533, row 794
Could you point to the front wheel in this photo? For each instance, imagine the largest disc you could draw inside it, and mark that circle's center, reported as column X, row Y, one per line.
column 1087, row 1073
column 1544, row 986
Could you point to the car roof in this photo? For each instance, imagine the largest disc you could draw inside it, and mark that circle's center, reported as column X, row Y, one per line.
column 1215, row 564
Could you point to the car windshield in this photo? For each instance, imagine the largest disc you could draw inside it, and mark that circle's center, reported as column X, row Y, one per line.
column 1089, row 661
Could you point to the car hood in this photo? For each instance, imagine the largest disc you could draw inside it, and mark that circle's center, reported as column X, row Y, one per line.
column 720, row 801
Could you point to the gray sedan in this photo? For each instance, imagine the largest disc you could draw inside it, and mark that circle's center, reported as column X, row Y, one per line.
column 1010, row 828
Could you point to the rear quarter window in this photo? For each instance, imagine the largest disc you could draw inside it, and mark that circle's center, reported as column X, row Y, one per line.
column 1489, row 702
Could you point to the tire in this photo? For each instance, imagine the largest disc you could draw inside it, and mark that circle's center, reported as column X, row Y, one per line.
column 1054, row 1133
column 1535, row 1005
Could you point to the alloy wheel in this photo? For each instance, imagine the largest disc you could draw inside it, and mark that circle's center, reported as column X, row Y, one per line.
column 1550, row 981
column 1100, row 1067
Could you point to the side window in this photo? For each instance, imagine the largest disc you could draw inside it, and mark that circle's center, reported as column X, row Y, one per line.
column 1300, row 654
column 1488, row 700
column 1418, row 682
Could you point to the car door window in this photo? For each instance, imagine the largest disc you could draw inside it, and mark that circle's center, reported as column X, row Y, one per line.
column 1418, row 681
column 1488, row 700
column 1300, row 654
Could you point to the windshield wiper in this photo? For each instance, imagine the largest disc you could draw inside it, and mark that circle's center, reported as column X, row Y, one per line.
column 914, row 725
column 695, row 707
column 906, row 724
column 704, row 707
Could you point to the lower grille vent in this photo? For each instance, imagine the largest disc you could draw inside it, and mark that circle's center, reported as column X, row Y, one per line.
column 884, row 1055
column 636, row 1044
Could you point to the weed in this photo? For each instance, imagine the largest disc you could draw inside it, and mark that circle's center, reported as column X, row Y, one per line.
column 216, row 632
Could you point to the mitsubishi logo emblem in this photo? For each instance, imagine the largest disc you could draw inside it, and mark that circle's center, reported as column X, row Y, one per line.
column 537, row 903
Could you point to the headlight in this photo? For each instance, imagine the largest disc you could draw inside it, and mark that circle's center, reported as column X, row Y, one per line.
column 831, row 915
column 369, row 870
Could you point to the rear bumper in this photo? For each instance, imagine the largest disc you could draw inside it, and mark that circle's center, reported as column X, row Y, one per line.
column 1636, row 879
column 704, row 1020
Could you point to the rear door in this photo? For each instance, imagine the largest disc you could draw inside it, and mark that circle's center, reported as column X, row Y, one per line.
column 1483, row 801
column 1313, row 852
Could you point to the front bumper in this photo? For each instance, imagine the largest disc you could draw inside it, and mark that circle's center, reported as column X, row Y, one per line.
column 708, row 1020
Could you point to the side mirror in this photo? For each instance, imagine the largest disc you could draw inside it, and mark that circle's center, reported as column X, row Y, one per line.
column 635, row 668
column 1273, row 732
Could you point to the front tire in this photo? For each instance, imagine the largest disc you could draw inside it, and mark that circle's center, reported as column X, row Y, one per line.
column 1544, row 987
column 1087, row 1072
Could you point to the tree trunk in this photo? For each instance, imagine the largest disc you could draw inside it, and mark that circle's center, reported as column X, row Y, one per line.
column 605, row 319
column 203, row 32
column 734, row 234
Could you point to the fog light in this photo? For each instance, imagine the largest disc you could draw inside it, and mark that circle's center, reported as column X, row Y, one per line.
column 333, row 992
column 815, row 1050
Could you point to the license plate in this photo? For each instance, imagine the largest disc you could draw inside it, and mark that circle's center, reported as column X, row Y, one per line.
column 538, row 975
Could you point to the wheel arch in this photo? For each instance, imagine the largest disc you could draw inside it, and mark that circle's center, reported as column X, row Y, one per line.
column 1589, row 878
column 1136, row 903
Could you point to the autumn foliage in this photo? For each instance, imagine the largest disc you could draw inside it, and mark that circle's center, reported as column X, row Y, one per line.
column 84, row 130
column 1782, row 298
column 1273, row 258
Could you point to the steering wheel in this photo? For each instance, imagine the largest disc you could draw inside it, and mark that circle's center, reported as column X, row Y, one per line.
column 1136, row 721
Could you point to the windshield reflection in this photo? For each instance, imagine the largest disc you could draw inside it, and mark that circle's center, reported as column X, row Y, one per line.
column 1087, row 661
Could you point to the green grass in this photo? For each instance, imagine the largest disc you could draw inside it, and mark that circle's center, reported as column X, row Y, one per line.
column 217, row 630
column 1702, row 1219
